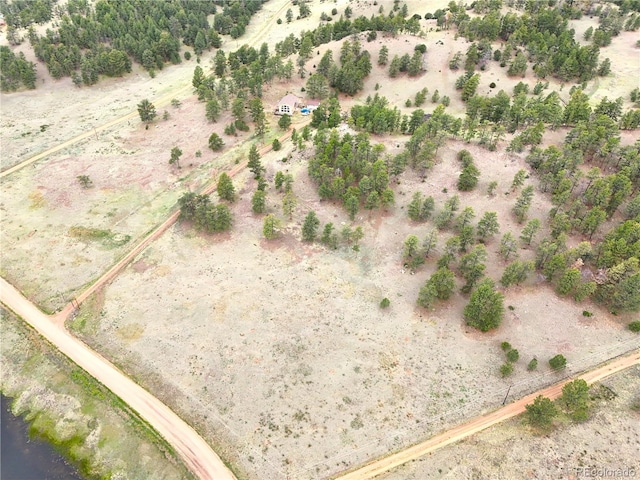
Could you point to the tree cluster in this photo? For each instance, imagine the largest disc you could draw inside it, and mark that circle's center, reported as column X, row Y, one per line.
column 204, row 214
column 15, row 70
column 351, row 170
column 375, row 116
column 103, row 39
column 541, row 36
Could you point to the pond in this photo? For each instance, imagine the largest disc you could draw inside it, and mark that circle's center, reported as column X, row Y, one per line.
column 24, row 458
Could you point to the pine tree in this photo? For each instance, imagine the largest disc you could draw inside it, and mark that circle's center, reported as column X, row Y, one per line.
column 147, row 111
column 289, row 204
column 258, row 201
column 176, row 153
column 523, row 203
column 225, row 188
column 270, row 226
column 485, row 309
column 212, row 110
column 468, row 177
column 215, row 142
column 541, row 412
column 383, row 56
column 516, row 272
column 310, row 227
column 254, row 164
column 488, row 226
column 508, row 245
column 530, row 230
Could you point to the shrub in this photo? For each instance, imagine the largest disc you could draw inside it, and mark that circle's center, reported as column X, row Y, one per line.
column 187, row 55
column 506, row 369
column 635, row 326
column 587, row 313
column 513, row 355
column 276, row 145
column 492, row 85
column 533, row 364
column 558, row 362
column 505, row 346
column 541, row 412
column 385, row 302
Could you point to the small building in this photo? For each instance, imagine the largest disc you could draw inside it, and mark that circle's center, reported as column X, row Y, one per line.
column 287, row 105
column 312, row 105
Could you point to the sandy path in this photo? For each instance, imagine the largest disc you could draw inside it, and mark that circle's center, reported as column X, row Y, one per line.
column 195, row 452
column 478, row 424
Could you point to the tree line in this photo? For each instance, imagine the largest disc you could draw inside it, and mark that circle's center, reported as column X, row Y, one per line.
column 103, row 39
column 15, row 70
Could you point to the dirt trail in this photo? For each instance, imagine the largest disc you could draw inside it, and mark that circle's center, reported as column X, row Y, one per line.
column 158, row 102
column 62, row 316
column 195, row 452
column 478, row 424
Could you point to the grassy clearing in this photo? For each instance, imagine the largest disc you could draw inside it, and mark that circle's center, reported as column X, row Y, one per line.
column 107, row 238
column 85, row 422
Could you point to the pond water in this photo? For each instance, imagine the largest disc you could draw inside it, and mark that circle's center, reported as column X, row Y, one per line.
column 23, row 458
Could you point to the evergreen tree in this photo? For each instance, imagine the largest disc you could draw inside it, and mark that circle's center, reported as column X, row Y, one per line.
column 523, row 203
column 485, row 308
column 176, row 153
column 225, row 188
column 259, row 201
column 198, row 77
column 488, row 226
column 530, row 230
column 213, row 110
column 383, row 56
column 215, row 142
column 289, row 204
column 472, row 267
column 284, row 122
column 516, row 272
column 575, row 399
column 468, row 177
column 270, row 226
column 254, row 164
column 147, row 111
column 541, row 412
column 310, row 227
column 508, row 245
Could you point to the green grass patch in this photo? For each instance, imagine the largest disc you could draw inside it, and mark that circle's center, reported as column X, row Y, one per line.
column 107, row 238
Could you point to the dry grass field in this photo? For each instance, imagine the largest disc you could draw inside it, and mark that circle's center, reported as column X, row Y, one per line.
column 277, row 352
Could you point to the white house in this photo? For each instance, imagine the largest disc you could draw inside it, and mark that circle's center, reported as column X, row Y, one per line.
column 287, row 104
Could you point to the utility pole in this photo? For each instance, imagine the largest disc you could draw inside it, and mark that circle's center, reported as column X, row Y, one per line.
column 505, row 397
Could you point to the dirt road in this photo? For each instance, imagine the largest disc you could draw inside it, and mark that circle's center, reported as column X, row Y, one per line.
column 478, row 424
column 195, row 452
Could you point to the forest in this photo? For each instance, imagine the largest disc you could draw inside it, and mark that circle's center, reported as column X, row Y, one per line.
column 104, row 39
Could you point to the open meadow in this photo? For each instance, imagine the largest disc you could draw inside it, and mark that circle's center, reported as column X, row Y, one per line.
column 277, row 351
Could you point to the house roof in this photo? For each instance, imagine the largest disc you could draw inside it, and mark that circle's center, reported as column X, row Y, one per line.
column 289, row 99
